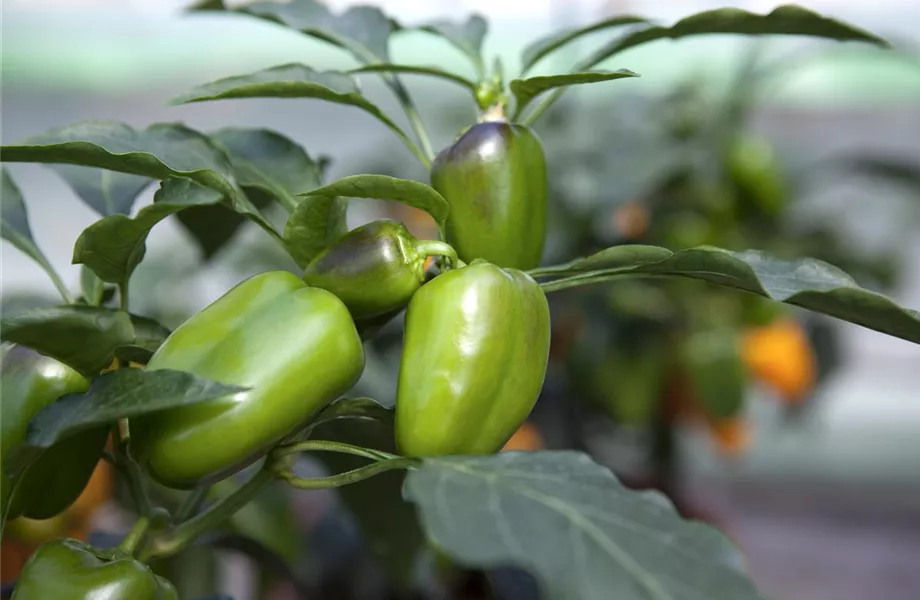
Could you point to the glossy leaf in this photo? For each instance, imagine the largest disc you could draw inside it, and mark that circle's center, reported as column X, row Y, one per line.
column 113, row 246
column 416, row 70
column 525, row 90
column 364, row 31
column 387, row 522
column 317, row 222
column 290, row 81
column 383, row 187
column 788, row 19
column 523, row 508
column 270, row 162
column 91, row 286
column 534, row 52
column 160, row 151
column 14, row 227
column 125, row 393
column 83, row 337
column 467, row 37
column 808, row 283
column 148, row 336
column 106, row 192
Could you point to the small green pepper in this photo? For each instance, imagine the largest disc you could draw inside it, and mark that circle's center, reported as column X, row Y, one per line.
column 69, row 569
column 51, row 483
column 494, row 179
column 295, row 346
column 375, row 268
column 475, row 352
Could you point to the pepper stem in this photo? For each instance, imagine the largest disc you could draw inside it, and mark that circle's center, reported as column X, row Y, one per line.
column 437, row 248
column 133, row 540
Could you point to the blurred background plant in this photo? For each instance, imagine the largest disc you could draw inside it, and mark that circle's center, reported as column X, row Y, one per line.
column 676, row 385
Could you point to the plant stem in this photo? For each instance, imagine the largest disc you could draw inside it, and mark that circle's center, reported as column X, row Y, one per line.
column 192, row 503
column 132, row 472
column 348, row 477
column 134, row 538
column 327, row 446
column 56, row 280
column 185, row 533
column 123, row 295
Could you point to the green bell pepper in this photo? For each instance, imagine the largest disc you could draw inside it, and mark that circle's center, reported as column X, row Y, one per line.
column 68, row 568
column 53, row 481
column 295, row 346
column 475, row 353
column 374, row 269
column 494, row 179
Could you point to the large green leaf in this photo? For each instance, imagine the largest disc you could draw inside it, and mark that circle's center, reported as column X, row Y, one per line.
column 317, row 222
column 124, row 393
column 290, row 81
column 534, row 52
column 14, row 227
column 525, row 90
column 160, row 151
column 106, row 192
column 808, row 283
column 113, row 246
column 570, row 522
column 466, row 36
column 416, row 70
column 384, row 187
column 84, row 337
column 270, row 162
column 388, row 523
column 788, row 19
column 364, row 31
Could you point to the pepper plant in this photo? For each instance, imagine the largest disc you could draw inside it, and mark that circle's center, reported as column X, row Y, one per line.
column 258, row 377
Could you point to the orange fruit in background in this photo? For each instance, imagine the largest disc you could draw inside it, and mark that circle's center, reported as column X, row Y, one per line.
column 97, row 491
column 631, row 220
column 781, row 356
column 731, row 437
column 527, row 437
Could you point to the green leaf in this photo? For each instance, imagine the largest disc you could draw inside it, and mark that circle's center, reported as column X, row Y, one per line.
column 534, row 52
column 106, row 192
column 160, row 151
column 83, row 337
column 113, row 246
column 387, row 521
column 14, row 228
column 808, row 283
column 125, row 393
column 316, row 223
column 417, row 70
column 467, row 37
column 788, row 19
column 290, row 81
column 525, row 90
column 524, row 508
column 270, row 162
column 364, row 31
column 384, row 187
column 91, row 286
column 148, row 336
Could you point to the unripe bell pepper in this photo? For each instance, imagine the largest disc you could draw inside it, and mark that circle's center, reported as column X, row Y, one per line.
column 494, row 179
column 54, row 480
column 68, row 568
column 375, row 268
column 295, row 346
column 475, row 352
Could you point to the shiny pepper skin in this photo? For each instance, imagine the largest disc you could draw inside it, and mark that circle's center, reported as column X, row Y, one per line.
column 31, row 381
column 69, row 569
column 295, row 346
column 494, row 179
column 375, row 268
column 475, row 352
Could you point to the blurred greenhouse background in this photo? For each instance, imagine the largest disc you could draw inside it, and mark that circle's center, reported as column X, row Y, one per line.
column 824, row 509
